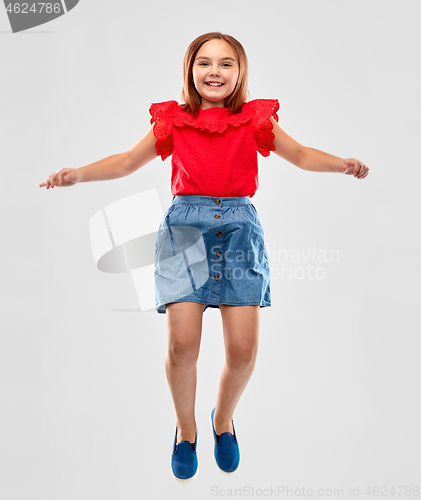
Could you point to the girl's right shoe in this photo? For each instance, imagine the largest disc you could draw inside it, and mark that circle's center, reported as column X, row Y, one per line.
column 184, row 463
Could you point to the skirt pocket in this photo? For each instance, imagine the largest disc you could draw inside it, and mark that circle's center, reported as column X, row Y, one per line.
column 249, row 213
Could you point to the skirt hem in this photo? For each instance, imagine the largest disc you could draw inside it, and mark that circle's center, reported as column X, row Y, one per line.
column 214, row 305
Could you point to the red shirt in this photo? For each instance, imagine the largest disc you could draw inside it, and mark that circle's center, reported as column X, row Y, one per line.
column 216, row 153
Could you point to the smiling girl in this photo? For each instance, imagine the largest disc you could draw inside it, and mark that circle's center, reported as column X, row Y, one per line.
column 214, row 138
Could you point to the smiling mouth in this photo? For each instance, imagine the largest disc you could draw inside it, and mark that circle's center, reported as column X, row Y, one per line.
column 211, row 84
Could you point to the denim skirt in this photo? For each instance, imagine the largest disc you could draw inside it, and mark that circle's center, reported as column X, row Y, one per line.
column 211, row 250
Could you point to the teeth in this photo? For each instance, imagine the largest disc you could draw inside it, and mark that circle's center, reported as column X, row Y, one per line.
column 214, row 84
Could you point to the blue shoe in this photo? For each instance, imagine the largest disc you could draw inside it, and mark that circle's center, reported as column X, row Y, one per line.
column 226, row 450
column 184, row 464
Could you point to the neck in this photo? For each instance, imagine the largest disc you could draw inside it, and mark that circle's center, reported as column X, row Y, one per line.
column 209, row 104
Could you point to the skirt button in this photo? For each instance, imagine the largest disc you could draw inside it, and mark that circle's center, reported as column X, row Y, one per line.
column 217, row 216
column 217, row 201
column 218, row 254
column 216, row 277
column 218, row 233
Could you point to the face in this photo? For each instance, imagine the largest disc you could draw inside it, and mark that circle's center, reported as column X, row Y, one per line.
column 215, row 62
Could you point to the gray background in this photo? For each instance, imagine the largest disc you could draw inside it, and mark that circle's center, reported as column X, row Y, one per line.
column 86, row 411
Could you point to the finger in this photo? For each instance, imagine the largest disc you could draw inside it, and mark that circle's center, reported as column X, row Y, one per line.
column 53, row 180
column 361, row 169
column 365, row 171
column 60, row 174
column 357, row 168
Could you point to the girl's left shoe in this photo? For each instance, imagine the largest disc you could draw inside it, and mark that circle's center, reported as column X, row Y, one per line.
column 226, row 450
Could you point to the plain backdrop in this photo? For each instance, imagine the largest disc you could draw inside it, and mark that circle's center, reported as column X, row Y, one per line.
column 334, row 401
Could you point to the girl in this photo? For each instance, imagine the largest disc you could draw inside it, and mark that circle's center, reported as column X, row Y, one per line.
column 210, row 249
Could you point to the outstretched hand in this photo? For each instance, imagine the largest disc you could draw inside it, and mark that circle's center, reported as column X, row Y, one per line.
column 354, row 167
column 64, row 177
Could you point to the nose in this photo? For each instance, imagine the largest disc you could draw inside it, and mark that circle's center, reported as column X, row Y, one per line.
column 214, row 72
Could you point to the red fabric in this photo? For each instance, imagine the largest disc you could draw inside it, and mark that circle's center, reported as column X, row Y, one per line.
column 216, row 153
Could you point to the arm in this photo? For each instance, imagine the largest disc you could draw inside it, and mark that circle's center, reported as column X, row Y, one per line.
column 315, row 160
column 312, row 159
column 300, row 156
column 122, row 164
column 142, row 152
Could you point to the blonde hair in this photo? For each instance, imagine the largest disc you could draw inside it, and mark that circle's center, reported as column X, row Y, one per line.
column 191, row 96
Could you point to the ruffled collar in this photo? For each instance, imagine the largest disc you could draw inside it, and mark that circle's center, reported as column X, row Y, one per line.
column 213, row 119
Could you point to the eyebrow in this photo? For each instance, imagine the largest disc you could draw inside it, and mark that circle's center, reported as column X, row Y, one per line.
column 223, row 59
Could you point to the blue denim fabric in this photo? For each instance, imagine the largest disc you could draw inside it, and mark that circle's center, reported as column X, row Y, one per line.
column 212, row 251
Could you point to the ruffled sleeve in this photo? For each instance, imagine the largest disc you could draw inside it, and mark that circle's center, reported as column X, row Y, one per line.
column 261, row 111
column 163, row 114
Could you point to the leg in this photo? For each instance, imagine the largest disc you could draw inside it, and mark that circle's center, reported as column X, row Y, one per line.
column 241, row 338
column 184, row 323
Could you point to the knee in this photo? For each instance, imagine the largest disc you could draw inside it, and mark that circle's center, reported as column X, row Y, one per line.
column 243, row 356
column 182, row 351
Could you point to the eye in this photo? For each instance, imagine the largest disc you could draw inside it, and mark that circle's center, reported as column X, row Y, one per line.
column 227, row 64
column 200, row 64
